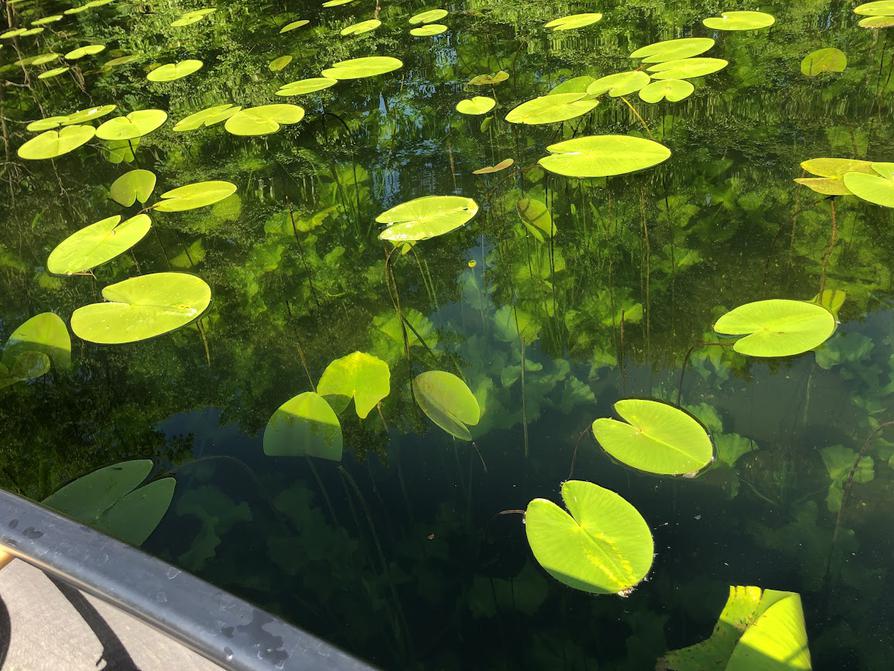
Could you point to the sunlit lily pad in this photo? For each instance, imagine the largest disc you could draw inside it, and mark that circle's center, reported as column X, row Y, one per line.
column 536, row 218
column 120, row 60
column 134, row 125
column 428, row 16
column 831, row 172
column 279, row 63
column 194, row 196
column 875, row 188
column 876, row 22
column 133, row 186
column 294, row 25
column 878, row 8
column 80, row 52
column 672, row 50
column 46, row 123
column 573, row 85
column 54, row 143
column 359, row 68
column 619, row 84
column 88, row 114
column 263, row 120
column 142, row 307
column 476, row 106
column 55, row 72
column 32, row 31
column 777, row 327
column 655, row 437
column 429, row 30
column 206, row 117
column 672, row 90
column 552, row 109
column 304, row 426
column 426, row 217
column 173, row 71
column 489, row 79
column 687, row 68
column 336, row 3
column 447, row 401
column 361, row 376
column 304, row 86
column 12, row 32
column 96, row 244
column 829, row 59
column 499, row 167
column 43, row 59
column 740, row 21
column 360, row 28
column 604, row 545
column 603, row 156
column 45, row 333
column 53, row 18
column 574, row 21
column 192, row 16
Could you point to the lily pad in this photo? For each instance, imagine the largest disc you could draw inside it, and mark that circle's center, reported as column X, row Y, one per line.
column 829, row 59
column 687, row 68
column 142, row 307
column 133, row 186
column 426, row 217
column 88, row 114
column 294, row 25
column 490, row 79
column 194, row 196
column 619, row 84
column 491, row 169
column 173, row 71
column 55, row 72
column 604, row 545
column 53, row 18
column 672, row 50
column 877, row 188
column 336, row 3
column 206, row 117
column 876, row 22
column 361, row 376
column 777, row 327
column 45, row 333
column 279, row 63
column 304, row 426
column 429, row 30
column 304, row 86
column 448, row 402
column 97, row 243
column 263, row 120
column 656, row 438
column 879, row 8
column 120, row 60
column 672, row 90
column 428, row 16
column 476, row 106
column 12, row 32
column 574, row 21
column 536, row 218
column 54, row 143
column 192, row 16
column 360, row 28
column 88, row 50
column 831, row 172
column 603, row 156
column 552, row 109
column 740, row 21
column 359, row 68
column 46, row 123
column 134, row 125
column 573, row 85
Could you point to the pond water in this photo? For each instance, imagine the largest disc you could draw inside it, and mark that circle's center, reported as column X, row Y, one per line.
column 409, row 551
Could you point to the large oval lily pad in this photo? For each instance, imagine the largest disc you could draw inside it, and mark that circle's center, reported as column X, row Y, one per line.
column 192, row 16
column 304, row 86
column 206, row 117
column 359, row 68
column 134, row 125
column 361, row 376
column 304, row 426
column 194, row 196
column 426, row 217
column 740, row 21
column 54, row 143
column 687, row 68
column 830, row 174
column 603, row 156
column 671, row 50
column 88, row 114
column 878, row 8
column 96, row 244
column 777, row 327
column 80, row 52
column 264, row 119
column 360, row 28
column 574, row 21
column 604, row 545
column 428, row 16
column 428, row 30
column 173, row 71
column 294, row 25
column 55, row 72
column 448, row 402
column 551, row 109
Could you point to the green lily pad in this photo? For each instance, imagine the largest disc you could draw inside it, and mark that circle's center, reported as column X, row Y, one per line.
column 687, row 68
column 304, row 86
column 173, row 71
column 359, row 68
column 656, row 438
column 55, row 72
column 429, row 30
column 603, row 156
column 877, row 189
column 879, row 8
column 360, row 28
column 777, row 327
column 279, row 63
column 536, row 218
column 88, row 114
column 47, row 20
column 263, row 120
column 876, row 22
column 45, row 333
column 32, row 31
column 192, row 16
column 499, row 167
column 831, row 172
column 134, row 125
column 206, row 117
column 80, row 52
column 304, row 426
column 54, row 143
column 142, row 307
column 490, row 79
column 194, row 196
column 619, row 84
column 27, row 365
column 573, row 85
column 672, row 50
column 476, row 106
column 13, row 32
column 46, row 123
column 428, row 16
column 552, row 109
column 336, row 3
column 120, row 60
column 426, row 217
column 361, row 376
column 740, row 21
column 604, row 545
column 672, row 90
column 43, row 59
column 574, row 21
column 294, row 25
column 97, row 243
column 829, row 59
column 447, row 401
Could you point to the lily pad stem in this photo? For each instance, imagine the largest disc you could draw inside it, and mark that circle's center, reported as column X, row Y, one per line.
column 689, row 355
column 638, row 116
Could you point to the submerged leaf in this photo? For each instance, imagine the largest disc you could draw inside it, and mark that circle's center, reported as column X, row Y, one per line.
column 447, row 401
column 829, row 59
column 489, row 80
column 536, row 218
column 304, row 426
column 45, row 333
column 361, row 376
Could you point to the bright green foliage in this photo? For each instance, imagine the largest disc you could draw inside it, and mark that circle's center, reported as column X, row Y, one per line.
column 54, row 143
column 475, row 106
column 429, row 16
column 876, row 22
column 426, row 217
column 336, row 3
column 47, row 19
column 619, row 84
column 80, row 52
column 88, row 114
column 672, row 90
column 46, row 334
column 304, row 426
column 293, row 25
column 361, row 376
column 603, row 156
column 304, row 86
column 777, row 327
column 429, row 30
column 574, row 21
column 573, row 85
column 877, row 189
column 134, row 125
column 96, row 244
column 831, row 172
column 879, row 8
column 46, row 123
column 448, row 402
column 536, row 218
column 173, row 71
column 263, row 120
column 551, row 109
column 603, row 546
column 829, row 59
column 490, row 79
column 192, row 16
column 671, row 50
column 279, row 63
column 360, row 28
column 360, row 68
column 206, row 117
column 740, row 21
column 142, row 307
column 687, row 68
column 655, row 437
column 121, row 60
column 193, row 196
column 133, row 186
column 55, row 72
column 839, row 461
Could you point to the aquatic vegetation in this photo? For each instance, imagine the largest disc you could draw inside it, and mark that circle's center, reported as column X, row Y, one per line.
column 672, row 90
column 81, row 52
column 361, row 376
column 294, row 25
column 34, row 346
column 263, row 120
column 574, row 21
column 172, row 71
column 304, row 426
column 193, row 196
column 132, row 126
column 53, row 143
column 448, row 402
column 603, row 156
column 740, row 21
column 875, row 188
column 552, row 108
column 426, row 217
column 132, row 186
column 687, row 68
column 54, row 72
column 499, row 167
column 279, row 63
column 97, row 243
column 476, row 106
column 672, row 50
column 207, row 117
column 619, row 84
column 491, row 79
column 830, row 173
column 360, row 68
column 777, row 327
column 428, row 16
column 305, row 86
column 192, row 16
column 428, row 30
column 360, row 28
column 828, row 59
column 536, row 218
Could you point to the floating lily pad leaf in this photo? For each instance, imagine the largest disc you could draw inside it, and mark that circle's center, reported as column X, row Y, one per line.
column 429, row 30
column 293, row 25
column 877, row 189
column 121, row 60
column 47, row 20
column 279, row 63
column 489, row 170
column 173, row 71
column 14, row 32
column 304, row 86
column 45, row 333
column 206, row 117
column 46, row 123
column 193, row 196
column 429, row 16
column 876, row 22
column 827, row 186
column 89, row 114
column 192, row 16
column 28, row 365
column 54, row 143
column 359, row 68
column 831, row 172
column 603, row 156
column 448, row 402
column 574, row 21
column 55, row 72
column 619, row 84
column 672, row 50
column 136, row 185
column 604, row 545
column 360, row 376
column 134, row 518
column 263, row 120
column 142, row 307
column 777, row 327
column 96, row 244
column 824, row 60
column 489, row 80
column 32, row 31
column 426, row 217
column 672, row 90
column 536, row 218
column 360, row 28
column 80, row 52
column 740, row 21
column 551, row 109
column 304, row 426
column 656, row 438
column 134, row 125
column 77, row 10
column 43, row 59
column 475, row 106
column 573, row 85
column 879, row 8
column 337, row 3
column 687, row 68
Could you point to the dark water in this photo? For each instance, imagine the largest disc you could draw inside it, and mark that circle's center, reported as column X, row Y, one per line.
column 399, row 553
